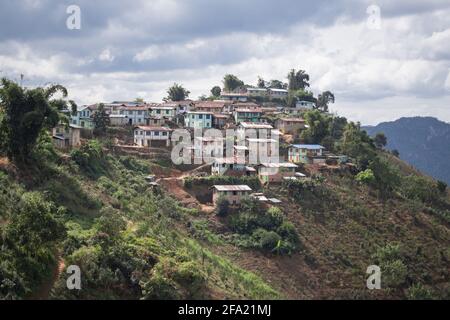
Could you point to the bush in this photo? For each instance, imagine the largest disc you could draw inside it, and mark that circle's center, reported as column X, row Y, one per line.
column 393, row 273
column 266, row 240
column 366, row 176
column 222, row 207
column 288, row 232
column 159, row 288
column 419, row 292
column 441, row 186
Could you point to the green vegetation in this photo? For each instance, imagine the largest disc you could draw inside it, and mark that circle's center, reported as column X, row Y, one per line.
column 177, row 93
column 231, row 82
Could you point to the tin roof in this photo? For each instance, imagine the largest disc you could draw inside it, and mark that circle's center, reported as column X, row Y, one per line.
column 233, row 188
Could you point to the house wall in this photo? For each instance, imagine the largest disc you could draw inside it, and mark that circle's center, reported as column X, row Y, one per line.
column 194, row 120
column 145, row 138
column 234, row 197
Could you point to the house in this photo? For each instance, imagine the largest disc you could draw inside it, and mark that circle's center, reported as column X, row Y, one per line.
column 118, row 120
column 199, row 120
column 210, row 106
column 230, row 96
column 306, row 153
column 209, row 146
column 84, row 117
column 156, row 121
column 232, row 193
column 165, row 110
column 135, row 115
column 146, row 136
column 247, row 115
column 220, row 120
column 65, row 137
column 257, row 92
column 276, row 172
column 260, row 149
column 231, row 166
column 278, row 93
column 257, row 127
column 291, row 125
column 306, row 105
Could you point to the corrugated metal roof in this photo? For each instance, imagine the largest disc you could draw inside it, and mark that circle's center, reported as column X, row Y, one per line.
column 233, row 188
column 308, row 146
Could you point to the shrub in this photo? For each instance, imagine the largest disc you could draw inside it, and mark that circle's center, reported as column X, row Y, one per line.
column 441, row 186
column 266, row 240
column 222, row 207
column 393, row 273
column 288, row 232
column 366, row 176
column 159, row 288
column 419, row 292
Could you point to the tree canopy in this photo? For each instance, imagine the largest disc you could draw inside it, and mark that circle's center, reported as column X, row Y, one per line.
column 231, row 82
column 298, row 80
column 216, row 91
column 177, row 93
column 324, row 99
column 26, row 113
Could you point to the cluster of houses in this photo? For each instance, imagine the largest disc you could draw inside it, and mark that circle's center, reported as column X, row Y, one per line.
column 154, row 123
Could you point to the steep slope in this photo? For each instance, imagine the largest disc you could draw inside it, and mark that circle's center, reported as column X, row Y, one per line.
column 424, row 142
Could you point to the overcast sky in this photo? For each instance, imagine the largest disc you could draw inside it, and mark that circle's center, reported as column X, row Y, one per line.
column 137, row 48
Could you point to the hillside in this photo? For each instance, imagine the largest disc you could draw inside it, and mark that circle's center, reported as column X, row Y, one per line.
column 423, row 142
column 132, row 242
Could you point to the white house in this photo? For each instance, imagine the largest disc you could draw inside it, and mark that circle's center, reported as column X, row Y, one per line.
column 83, row 117
column 278, row 93
column 135, row 115
column 152, row 136
column 199, row 119
column 166, row 110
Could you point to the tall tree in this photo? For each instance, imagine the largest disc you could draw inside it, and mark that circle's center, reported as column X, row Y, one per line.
column 231, row 83
column 177, row 93
column 319, row 127
column 216, row 91
column 324, row 99
column 380, row 140
column 261, row 83
column 277, row 84
column 101, row 120
column 27, row 113
column 298, row 80
column 139, row 100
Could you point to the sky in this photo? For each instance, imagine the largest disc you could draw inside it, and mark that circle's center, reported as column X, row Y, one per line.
column 382, row 59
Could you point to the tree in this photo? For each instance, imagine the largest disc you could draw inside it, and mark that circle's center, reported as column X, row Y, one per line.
column 216, row 91
column 222, row 207
column 324, row 99
column 177, row 93
column 101, row 120
column 318, row 127
column 27, row 113
column 277, row 84
column 298, row 80
column 380, row 140
column 441, row 186
column 139, row 100
column 357, row 145
column 366, row 177
column 395, row 153
column 231, row 83
column 261, row 83
column 299, row 95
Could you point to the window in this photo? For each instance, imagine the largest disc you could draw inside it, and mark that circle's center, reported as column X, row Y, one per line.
column 140, row 113
column 235, row 193
column 208, row 116
column 167, row 112
column 164, row 133
column 156, row 133
column 158, row 111
column 200, row 116
column 148, row 133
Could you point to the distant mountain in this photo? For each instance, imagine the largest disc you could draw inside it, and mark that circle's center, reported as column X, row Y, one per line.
column 424, row 142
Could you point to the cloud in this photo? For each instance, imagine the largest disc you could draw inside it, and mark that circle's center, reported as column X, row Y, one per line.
column 125, row 50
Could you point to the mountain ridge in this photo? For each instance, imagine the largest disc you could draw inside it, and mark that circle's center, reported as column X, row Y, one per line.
column 423, row 142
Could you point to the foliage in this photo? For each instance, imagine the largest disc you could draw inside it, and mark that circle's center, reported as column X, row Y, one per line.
column 101, row 120
column 380, row 140
column 177, row 93
column 27, row 113
column 441, row 186
column 89, row 157
column 366, row 177
column 231, row 83
column 222, row 207
column 216, row 91
column 419, row 292
column 298, row 80
column 419, row 188
column 319, row 127
column 324, row 99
